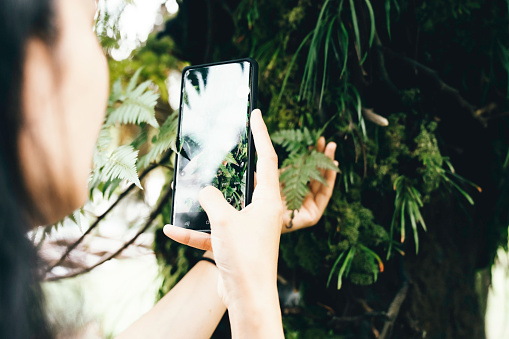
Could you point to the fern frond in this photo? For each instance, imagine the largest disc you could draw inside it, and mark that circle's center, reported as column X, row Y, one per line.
column 298, row 171
column 104, row 140
column 295, row 178
column 116, row 93
column 165, row 140
column 137, row 103
column 133, row 81
column 78, row 218
column 138, row 107
column 122, row 165
column 295, row 140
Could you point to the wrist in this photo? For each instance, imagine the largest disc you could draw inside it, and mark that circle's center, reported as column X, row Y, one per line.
column 256, row 314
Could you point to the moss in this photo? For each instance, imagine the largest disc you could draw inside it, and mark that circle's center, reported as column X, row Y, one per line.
column 428, row 152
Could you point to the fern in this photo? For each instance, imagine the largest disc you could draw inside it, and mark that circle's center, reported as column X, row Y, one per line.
column 137, row 103
column 302, row 165
column 297, row 140
column 162, row 142
column 78, row 218
column 299, row 169
column 133, row 104
column 122, row 165
column 114, row 163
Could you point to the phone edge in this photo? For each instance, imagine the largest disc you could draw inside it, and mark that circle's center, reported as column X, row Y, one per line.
column 251, row 165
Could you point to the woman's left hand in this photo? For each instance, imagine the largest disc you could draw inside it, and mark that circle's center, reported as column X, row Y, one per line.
column 318, row 197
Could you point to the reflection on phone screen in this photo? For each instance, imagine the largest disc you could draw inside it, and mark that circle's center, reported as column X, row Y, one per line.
column 213, row 139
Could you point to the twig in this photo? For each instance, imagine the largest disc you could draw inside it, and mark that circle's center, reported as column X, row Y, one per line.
column 384, row 75
column 442, row 87
column 393, row 311
column 102, row 216
column 335, row 321
column 151, row 218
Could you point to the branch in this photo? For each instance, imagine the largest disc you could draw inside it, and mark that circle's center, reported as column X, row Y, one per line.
column 393, row 311
column 151, row 218
column 102, row 216
column 444, row 88
column 379, row 56
column 337, row 321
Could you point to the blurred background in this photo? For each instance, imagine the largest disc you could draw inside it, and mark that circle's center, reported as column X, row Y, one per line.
column 415, row 93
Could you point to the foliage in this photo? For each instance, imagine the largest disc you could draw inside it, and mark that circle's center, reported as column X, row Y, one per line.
column 130, row 105
column 301, row 166
column 348, row 62
column 164, row 140
column 405, row 90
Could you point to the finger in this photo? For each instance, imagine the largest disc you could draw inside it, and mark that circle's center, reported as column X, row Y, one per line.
column 215, row 205
column 320, row 147
column 320, row 144
column 188, row 237
column 308, row 215
column 324, row 194
column 266, row 166
column 254, row 180
column 329, row 151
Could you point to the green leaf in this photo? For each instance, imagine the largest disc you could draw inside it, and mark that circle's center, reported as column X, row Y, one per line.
column 77, row 217
column 138, row 107
column 134, row 80
column 121, row 164
column 324, row 76
column 295, row 140
column 298, row 171
column 290, row 66
column 356, row 27
column 345, row 268
column 372, row 22
column 402, row 221
column 345, row 42
column 336, row 263
column 165, row 140
column 135, row 105
column 388, row 17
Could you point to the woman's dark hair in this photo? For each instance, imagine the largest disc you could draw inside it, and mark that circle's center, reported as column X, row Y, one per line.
column 21, row 302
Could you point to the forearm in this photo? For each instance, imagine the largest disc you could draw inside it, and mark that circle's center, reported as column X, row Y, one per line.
column 192, row 309
column 257, row 316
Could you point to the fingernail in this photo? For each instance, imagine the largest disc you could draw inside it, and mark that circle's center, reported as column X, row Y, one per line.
column 334, row 145
column 336, row 163
column 166, row 228
column 175, row 231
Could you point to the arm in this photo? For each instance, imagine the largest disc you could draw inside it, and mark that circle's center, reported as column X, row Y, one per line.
column 246, row 245
column 192, row 309
column 257, row 314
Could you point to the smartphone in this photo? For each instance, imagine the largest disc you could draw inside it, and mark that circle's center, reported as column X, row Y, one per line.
column 214, row 140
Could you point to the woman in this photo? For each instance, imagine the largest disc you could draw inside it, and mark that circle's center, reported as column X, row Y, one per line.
column 53, row 94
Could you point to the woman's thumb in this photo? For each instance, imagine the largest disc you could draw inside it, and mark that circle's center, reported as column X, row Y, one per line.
column 214, row 203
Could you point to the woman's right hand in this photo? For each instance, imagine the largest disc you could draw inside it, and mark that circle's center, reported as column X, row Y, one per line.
column 245, row 244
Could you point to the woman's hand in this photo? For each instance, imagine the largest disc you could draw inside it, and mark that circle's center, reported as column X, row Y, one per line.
column 318, row 197
column 246, row 244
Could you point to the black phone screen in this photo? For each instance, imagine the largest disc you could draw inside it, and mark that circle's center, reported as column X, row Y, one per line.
column 213, row 140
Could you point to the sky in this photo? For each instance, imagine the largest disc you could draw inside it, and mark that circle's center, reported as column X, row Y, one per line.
column 136, row 20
